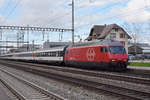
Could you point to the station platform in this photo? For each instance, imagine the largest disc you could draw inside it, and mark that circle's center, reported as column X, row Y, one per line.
column 139, row 68
column 3, row 95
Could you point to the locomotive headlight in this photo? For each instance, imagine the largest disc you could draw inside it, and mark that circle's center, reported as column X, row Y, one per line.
column 125, row 60
column 113, row 60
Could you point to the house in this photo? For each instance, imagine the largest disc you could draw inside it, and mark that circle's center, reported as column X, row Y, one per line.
column 112, row 31
column 135, row 49
column 139, row 48
column 146, row 50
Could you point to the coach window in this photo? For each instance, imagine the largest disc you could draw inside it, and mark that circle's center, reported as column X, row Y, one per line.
column 46, row 53
column 52, row 53
column 61, row 53
column 56, row 54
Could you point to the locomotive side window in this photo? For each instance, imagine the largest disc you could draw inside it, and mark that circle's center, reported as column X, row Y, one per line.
column 104, row 49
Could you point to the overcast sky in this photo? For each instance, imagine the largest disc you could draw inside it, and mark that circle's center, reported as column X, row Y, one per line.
column 57, row 13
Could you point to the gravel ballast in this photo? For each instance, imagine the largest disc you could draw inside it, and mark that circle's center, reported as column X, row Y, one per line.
column 68, row 91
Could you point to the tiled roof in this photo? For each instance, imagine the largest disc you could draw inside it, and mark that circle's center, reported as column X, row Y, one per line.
column 103, row 30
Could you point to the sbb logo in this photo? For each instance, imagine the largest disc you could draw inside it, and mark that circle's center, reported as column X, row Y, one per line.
column 90, row 54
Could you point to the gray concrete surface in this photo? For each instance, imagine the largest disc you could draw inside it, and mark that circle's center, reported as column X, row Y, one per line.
column 139, row 68
column 3, row 95
column 145, row 60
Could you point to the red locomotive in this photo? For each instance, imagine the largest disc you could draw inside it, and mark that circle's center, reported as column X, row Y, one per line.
column 105, row 54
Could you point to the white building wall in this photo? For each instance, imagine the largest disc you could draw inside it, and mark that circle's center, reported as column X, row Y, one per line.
column 118, row 37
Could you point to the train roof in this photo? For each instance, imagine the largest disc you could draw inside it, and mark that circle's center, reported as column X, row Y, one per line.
column 61, row 48
column 97, row 42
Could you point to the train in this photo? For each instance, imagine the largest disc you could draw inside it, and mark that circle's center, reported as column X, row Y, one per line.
column 103, row 54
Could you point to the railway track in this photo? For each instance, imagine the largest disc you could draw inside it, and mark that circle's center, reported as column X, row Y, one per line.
column 113, row 76
column 25, row 90
column 89, row 81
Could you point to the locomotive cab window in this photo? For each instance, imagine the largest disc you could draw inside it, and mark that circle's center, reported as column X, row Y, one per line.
column 117, row 50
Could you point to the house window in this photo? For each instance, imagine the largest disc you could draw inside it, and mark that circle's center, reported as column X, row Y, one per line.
column 123, row 42
column 94, row 36
column 116, row 29
column 112, row 35
column 122, row 35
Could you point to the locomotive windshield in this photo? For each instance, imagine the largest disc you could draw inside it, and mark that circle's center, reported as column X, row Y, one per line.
column 117, row 49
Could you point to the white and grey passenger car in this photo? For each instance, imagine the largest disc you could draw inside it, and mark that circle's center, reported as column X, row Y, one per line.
column 49, row 55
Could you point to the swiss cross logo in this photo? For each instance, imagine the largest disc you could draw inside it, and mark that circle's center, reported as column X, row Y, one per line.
column 90, row 54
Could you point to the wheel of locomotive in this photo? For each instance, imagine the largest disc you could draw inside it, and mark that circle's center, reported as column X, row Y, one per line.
column 111, row 68
column 121, row 67
column 124, row 66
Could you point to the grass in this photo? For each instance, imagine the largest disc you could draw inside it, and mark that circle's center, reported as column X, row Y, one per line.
column 140, row 64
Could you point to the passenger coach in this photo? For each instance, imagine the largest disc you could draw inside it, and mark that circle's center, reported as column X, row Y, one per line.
column 54, row 55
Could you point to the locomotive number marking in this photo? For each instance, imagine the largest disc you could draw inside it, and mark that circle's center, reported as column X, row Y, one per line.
column 90, row 54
